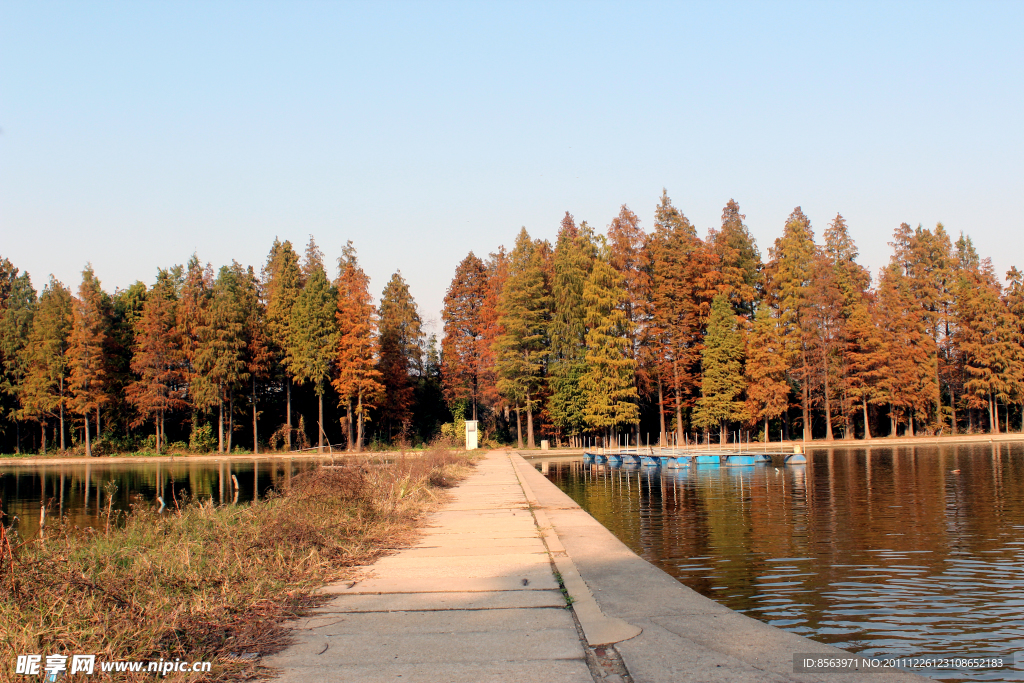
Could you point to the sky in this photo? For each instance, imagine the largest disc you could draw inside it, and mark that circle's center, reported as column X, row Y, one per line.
column 134, row 134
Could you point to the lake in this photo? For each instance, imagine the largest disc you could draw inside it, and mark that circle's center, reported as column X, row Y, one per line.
column 905, row 551
column 81, row 492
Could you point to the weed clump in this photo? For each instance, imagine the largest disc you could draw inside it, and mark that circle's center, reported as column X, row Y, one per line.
column 207, row 582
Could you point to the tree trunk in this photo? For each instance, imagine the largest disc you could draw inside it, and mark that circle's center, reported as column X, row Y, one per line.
column 98, row 430
column 156, row 428
column 660, row 411
column 88, row 442
column 42, row 424
column 679, row 403
column 163, row 427
column 255, row 429
column 320, row 422
column 62, row 447
column 952, row 410
column 805, row 399
column 348, row 419
column 288, row 414
column 519, row 428
column 231, row 420
column 995, row 415
column 910, row 424
column 867, row 422
column 828, row 406
column 721, row 432
column 220, row 422
column 529, row 423
column 359, row 424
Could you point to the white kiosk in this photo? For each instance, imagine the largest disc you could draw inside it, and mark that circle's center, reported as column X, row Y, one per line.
column 471, row 435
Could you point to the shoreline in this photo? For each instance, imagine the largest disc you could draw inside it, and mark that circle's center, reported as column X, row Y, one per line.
column 205, row 458
column 819, row 444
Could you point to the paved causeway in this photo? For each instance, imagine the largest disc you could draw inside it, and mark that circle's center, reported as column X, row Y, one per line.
column 477, row 601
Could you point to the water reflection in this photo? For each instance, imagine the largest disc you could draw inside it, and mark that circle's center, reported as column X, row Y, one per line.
column 82, row 492
column 905, row 551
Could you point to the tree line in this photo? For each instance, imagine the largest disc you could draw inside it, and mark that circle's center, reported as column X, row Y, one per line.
column 631, row 335
column 214, row 356
column 663, row 337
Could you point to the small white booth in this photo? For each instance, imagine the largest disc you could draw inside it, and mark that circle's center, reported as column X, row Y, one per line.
column 471, row 435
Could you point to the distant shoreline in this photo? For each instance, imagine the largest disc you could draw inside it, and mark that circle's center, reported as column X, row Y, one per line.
column 205, row 458
column 822, row 444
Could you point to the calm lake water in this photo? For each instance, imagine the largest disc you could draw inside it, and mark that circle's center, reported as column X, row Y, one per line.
column 884, row 552
column 80, row 492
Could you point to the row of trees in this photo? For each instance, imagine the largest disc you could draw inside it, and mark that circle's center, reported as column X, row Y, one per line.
column 682, row 337
column 627, row 333
column 200, row 347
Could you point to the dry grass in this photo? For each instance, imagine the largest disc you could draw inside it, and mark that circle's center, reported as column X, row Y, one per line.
column 202, row 582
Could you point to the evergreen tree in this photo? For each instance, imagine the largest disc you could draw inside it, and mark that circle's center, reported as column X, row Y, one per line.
column 357, row 380
column 722, row 359
column 608, row 382
column 521, row 349
column 496, row 267
column 1013, row 299
column 15, row 322
column 765, row 370
column 219, row 362
column 282, row 283
column 575, row 252
column 44, row 391
column 259, row 356
column 789, row 285
column 313, row 333
column 865, row 356
column 90, row 331
column 903, row 328
column 158, row 359
column 683, row 272
column 739, row 260
column 986, row 338
column 461, row 347
column 626, row 240
column 401, row 355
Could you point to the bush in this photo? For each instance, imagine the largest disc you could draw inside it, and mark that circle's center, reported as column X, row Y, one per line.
column 201, row 440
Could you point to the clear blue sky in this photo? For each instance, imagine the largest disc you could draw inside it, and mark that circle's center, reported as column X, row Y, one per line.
column 136, row 133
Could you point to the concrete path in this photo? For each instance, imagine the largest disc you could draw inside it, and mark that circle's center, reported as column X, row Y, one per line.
column 475, row 600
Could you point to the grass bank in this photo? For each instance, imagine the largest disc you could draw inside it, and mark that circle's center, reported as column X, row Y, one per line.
column 202, row 582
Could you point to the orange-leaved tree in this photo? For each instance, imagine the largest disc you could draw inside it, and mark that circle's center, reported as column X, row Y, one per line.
column 357, row 379
column 88, row 381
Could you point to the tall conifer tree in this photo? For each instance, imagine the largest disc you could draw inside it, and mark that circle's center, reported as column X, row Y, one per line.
column 46, row 364
column 282, row 283
column 158, row 359
column 357, row 381
column 790, row 274
column 765, row 370
column 575, row 252
column 522, row 348
column 313, row 332
column 90, row 330
column 463, row 332
column 401, row 354
column 608, row 382
column 722, row 384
